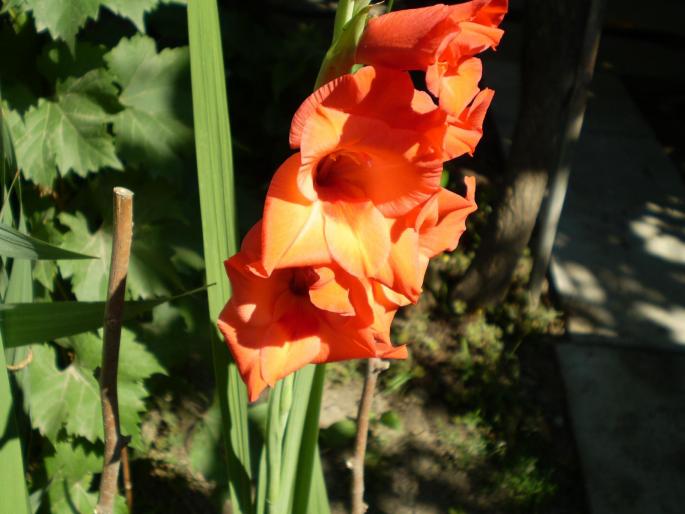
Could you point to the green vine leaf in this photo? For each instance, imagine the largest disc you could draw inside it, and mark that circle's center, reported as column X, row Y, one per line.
column 31, row 145
column 70, row 469
column 153, row 129
column 150, row 270
column 63, row 18
column 134, row 10
column 69, row 398
column 69, row 133
column 58, row 62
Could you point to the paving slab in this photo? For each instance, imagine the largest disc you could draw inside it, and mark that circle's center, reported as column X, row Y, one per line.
column 619, row 269
column 628, row 417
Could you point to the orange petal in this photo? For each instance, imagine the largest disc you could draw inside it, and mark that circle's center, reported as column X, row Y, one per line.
column 400, row 270
column 489, row 13
column 305, row 111
column 464, row 133
column 397, row 170
column 292, row 233
column 453, row 211
column 386, row 351
column 279, row 361
column 253, row 297
column 338, row 292
column 356, row 236
column 341, row 340
column 458, row 87
column 330, row 293
column 475, row 38
column 246, row 357
column 405, row 39
column 371, row 92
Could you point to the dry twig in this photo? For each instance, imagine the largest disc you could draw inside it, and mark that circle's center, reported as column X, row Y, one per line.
column 374, row 368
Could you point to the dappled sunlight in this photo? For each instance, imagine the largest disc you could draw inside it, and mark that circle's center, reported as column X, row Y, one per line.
column 662, row 229
column 671, row 319
column 620, row 253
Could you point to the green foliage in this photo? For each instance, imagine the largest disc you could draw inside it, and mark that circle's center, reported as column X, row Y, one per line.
column 68, row 398
column 13, row 490
column 89, row 105
column 21, row 246
column 148, row 267
column 69, row 132
column 205, row 448
column 348, row 30
column 13, row 494
column 525, row 483
column 71, row 466
column 26, row 323
column 340, row 434
column 217, row 200
column 64, row 18
column 150, row 130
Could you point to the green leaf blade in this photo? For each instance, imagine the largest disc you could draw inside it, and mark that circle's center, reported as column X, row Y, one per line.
column 217, row 203
column 20, row 246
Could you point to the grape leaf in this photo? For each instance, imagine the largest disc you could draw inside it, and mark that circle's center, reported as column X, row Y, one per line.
column 69, row 398
column 70, row 469
column 134, row 10
column 57, row 62
column 69, row 133
column 31, row 145
column 149, row 268
column 73, row 460
column 153, row 129
column 63, row 18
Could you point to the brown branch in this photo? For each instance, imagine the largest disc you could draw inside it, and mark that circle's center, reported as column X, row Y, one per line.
column 114, row 308
column 374, row 368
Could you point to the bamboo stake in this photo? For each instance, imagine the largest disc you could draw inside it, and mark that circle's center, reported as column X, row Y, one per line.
column 374, row 368
column 114, row 307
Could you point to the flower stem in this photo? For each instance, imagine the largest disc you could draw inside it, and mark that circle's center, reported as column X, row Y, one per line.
column 343, row 14
column 280, row 403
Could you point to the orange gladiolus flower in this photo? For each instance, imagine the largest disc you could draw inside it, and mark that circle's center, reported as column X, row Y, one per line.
column 430, row 229
column 414, row 39
column 351, row 220
column 297, row 316
column 371, row 149
column 441, row 40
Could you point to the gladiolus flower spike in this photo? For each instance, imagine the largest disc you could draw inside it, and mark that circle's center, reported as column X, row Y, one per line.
column 353, row 217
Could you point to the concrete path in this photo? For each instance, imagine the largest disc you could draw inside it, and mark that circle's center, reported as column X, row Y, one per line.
column 619, row 268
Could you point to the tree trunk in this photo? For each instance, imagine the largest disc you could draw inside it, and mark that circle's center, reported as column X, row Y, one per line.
column 553, row 48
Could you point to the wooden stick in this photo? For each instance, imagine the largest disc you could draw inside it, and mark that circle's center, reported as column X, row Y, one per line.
column 374, row 368
column 128, row 486
column 114, row 307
